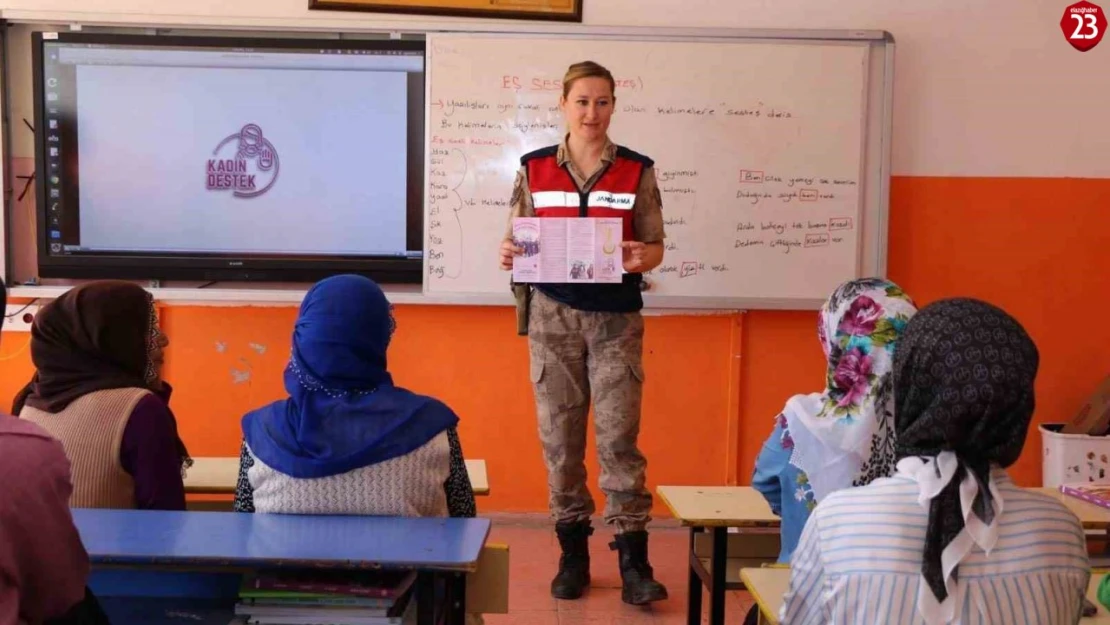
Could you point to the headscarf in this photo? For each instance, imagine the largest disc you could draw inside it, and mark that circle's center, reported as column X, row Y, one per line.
column 343, row 411
column 844, row 435
column 94, row 337
column 963, row 387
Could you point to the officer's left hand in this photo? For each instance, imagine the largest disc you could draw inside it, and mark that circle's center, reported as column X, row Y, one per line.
column 633, row 253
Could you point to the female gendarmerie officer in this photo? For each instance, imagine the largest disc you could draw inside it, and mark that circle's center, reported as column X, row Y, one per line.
column 588, row 338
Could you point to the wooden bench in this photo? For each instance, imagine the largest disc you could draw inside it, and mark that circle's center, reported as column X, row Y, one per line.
column 218, row 476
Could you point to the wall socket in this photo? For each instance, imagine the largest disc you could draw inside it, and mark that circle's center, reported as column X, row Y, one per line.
column 18, row 317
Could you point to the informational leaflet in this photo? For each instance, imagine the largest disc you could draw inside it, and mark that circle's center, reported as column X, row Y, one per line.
column 568, row 250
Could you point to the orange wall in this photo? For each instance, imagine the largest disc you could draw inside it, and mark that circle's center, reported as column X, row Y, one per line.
column 1038, row 247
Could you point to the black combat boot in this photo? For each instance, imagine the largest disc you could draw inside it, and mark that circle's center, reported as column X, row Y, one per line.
column 574, row 565
column 639, row 585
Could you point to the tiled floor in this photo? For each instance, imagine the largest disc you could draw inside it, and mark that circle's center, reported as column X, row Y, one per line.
column 534, row 558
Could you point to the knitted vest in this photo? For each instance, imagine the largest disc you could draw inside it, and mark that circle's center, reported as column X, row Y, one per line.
column 410, row 485
column 91, row 431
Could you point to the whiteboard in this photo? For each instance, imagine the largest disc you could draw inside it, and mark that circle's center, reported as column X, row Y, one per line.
column 771, row 154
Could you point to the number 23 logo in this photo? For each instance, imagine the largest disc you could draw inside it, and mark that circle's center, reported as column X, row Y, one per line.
column 1091, row 23
column 1083, row 25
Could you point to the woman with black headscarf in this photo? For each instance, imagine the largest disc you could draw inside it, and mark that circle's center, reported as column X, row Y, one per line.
column 950, row 538
column 98, row 388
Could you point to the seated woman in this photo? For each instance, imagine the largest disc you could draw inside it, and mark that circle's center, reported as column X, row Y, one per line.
column 346, row 440
column 98, row 389
column 949, row 538
column 43, row 565
column 844, row 436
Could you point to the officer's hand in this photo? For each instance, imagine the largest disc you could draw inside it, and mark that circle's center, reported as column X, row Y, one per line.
column 633, row 254
column 508, row 251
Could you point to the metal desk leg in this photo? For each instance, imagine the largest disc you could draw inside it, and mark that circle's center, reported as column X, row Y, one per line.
column 694, row 585
column 425, row 598
column 717, row 575
column 456, row 599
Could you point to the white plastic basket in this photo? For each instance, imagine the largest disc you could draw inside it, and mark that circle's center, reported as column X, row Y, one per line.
column 1073, row 457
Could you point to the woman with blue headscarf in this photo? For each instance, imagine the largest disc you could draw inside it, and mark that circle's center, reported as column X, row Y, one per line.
column 346, row 440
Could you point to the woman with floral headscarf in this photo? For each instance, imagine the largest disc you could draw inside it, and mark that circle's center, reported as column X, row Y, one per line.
column 346, row 440
column 98, row 388
column 843, row 436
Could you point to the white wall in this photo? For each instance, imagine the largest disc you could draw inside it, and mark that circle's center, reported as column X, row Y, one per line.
column 986, row 88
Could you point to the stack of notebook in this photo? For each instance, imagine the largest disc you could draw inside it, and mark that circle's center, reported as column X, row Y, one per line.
column 328, row 598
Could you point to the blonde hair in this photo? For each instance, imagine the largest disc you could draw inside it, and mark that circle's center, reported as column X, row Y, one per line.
column 587, row 69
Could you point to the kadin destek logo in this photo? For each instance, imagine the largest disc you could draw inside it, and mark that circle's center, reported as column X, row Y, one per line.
column 245, row 163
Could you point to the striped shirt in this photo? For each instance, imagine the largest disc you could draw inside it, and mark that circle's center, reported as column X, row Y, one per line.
column 858, row 561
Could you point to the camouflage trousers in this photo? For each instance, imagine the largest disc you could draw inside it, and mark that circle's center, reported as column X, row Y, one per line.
column 576, row 354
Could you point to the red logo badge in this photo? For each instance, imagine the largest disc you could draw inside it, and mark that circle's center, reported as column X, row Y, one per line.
column 1083, row 25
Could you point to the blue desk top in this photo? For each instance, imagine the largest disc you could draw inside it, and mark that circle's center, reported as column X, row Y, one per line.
column 227, row 539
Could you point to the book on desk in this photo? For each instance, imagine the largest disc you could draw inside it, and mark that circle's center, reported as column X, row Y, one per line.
column 347, row 598
column 1097, row 493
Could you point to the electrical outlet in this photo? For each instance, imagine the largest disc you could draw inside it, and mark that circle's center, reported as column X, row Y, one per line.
column 18, row 317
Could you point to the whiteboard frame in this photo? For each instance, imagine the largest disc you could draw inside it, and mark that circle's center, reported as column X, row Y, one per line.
column 871, row 254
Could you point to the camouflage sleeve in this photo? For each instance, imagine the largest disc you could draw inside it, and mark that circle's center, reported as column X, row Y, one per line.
column 647, row 213
column 521, row 201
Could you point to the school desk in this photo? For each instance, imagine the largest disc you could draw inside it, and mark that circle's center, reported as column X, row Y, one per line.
column 217, row 476
column 768, row 586
column 153, row 565
column 1091, row 516
column 716, row 509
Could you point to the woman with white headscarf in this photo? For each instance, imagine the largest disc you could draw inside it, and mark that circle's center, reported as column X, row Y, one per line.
column 949, row 538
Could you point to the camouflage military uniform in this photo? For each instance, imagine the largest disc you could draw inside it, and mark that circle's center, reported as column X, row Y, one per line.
column 577, row 354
